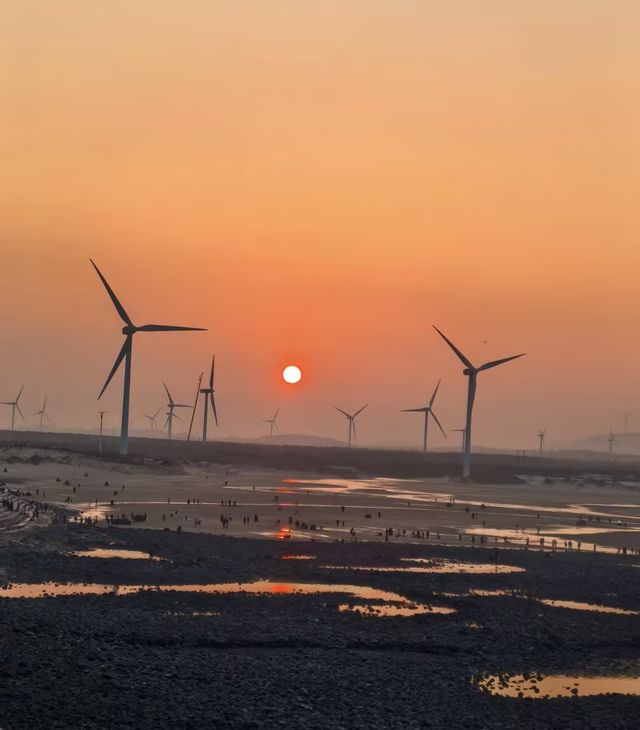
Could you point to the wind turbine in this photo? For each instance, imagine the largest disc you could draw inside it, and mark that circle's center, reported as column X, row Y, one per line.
column 612, row 440
column 152, row 419
column 625, row 417
column 471, row 371
column 43, row 413
column 101, row 422
column 272, row 422
column 195, row 403
column 463, row 431
column 351, row 418
column 14, row 406
column 129, row 331
column 171, row 405
column 541, row 434
column 209, row 392
column 427, row 410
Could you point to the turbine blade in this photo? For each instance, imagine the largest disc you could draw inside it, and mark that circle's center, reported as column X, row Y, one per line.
column 344, row 413
column 275, row 415
column 116, row 365
column 19, row 394
column 19, row 411
column 353, row 422
column 461, row 357
column 213, row 407
column 155, row 415
column 182, row 405
column 116, row 303
column 166, row 423
column 495, row 363
column 415, row 410
column 175, row 415
column 213, row 364
column 275, row 425
column 360, row 411
column 435, row 392
column 168, row 394
column 168, row 328
column 46, row 415
column 435, row 418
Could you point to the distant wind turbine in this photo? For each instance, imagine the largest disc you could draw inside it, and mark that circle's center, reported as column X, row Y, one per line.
column 171, row 405
column 463, row 432
column 195, row 404
column 43, row 413
column 351, row 419
column 101, row 422
column 152, row 419
column 471, row 371
column 272, row 422
column 625, row 417
column 427, row 410
column 542, row 432
column 129, row 331
column 14, row 406
column 612, row 440
column 209, row 392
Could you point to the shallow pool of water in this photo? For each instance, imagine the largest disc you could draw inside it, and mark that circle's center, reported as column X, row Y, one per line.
column 559, row 685
column 113, row 553
column 578, row 606
column 265, row 587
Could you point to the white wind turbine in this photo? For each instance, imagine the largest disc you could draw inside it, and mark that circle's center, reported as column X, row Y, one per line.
column 351, row 419
column 129, row 330
column 272, row 422
column 471, row 371
column 542, row 432
column 171, row 405
column 427, row 410
column 43, row 413
column 14, row 406
column 152, row 419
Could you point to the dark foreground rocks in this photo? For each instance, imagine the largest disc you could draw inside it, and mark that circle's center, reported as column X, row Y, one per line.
column 192, row 660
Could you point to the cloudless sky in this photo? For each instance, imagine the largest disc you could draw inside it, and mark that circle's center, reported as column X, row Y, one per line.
column 319, row 183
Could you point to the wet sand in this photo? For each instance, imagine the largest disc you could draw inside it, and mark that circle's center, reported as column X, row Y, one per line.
column 235, row 630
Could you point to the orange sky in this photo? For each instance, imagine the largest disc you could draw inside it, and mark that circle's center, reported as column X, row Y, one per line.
column 319, row 183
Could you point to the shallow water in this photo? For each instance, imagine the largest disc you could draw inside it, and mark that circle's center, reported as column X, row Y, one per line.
column 558, row 686
column 380, row 611
column 578, row 606
column 298, row 557
column 264, row 587
column 113, row 553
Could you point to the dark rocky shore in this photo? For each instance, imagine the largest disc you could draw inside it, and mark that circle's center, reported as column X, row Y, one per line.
column 251, row 661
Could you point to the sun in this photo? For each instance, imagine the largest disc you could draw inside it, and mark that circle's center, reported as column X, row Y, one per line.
column 292, row 374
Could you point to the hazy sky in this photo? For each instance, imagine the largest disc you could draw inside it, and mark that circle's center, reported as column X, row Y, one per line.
column 318, row 183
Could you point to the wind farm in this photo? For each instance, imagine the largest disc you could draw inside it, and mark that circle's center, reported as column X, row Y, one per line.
column 318, row 381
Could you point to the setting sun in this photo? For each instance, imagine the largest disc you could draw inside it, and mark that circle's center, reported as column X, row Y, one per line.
column 292, row 374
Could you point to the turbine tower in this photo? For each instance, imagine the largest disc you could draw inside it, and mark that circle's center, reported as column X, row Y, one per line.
column 427, row 410
column 152, row 419
column 14, row 406
column 43, row 413
column 195, row 403
column 471, row 371
column 541, row 434
column 171, row 405
column 463, row 431
column 100, row 439
column 351, row 419
column 129, row 331
column 272, row 422
column 209, row 392
column 612, row 440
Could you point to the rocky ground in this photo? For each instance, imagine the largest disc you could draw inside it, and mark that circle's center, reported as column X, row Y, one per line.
column 195, row 660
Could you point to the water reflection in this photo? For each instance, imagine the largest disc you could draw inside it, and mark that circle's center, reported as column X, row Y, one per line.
column 381, row 611
column 113, row 553
column 560, row 685
column 578, row 606
column 265, row 587
column 432, row 567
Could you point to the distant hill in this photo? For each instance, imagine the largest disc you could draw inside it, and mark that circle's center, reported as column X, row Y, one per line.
column 626, row 443
column 294, row 439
